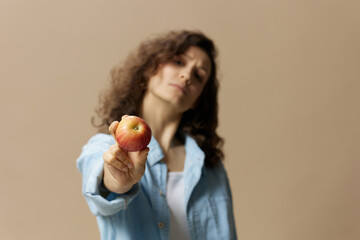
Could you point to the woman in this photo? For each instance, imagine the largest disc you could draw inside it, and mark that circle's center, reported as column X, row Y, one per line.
column 177, row 187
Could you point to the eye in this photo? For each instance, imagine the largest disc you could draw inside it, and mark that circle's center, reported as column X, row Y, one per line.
column 178, row 61
column 198, row 77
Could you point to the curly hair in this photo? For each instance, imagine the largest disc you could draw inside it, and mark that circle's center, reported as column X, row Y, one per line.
column 121, row 97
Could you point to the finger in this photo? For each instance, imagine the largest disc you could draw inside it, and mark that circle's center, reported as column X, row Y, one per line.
column 121, row 155
column 112, row 128
column 140, row 157
column 114, row 162
column 143, row 155
column 125, row 116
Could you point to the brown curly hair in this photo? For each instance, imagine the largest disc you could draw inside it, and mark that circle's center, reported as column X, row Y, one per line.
column 121, row 97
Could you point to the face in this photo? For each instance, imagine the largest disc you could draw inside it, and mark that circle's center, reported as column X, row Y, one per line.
column 180, row 81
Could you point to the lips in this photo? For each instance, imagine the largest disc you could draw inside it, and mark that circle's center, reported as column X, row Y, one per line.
column 182, row 89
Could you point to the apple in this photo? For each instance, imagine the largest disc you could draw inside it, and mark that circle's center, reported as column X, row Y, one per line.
column 133, row 133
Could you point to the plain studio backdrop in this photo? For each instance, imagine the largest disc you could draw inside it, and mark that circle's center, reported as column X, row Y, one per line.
column 289, row 108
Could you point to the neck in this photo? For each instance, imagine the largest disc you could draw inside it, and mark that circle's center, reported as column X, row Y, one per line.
column 163, row 121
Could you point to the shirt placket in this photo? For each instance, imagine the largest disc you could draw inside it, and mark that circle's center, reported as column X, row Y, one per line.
column 161, row 209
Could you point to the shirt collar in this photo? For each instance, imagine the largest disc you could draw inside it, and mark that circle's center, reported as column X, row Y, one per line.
column 155, row 154
column 195, row 157
column 193, row 152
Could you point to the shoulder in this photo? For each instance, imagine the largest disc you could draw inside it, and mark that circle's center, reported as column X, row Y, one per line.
column 217, row 172
column 98, row 142
column 92, row 152
column 216, row 180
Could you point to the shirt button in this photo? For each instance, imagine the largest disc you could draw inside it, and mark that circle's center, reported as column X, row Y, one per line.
column 161, row 225
column 161, row 193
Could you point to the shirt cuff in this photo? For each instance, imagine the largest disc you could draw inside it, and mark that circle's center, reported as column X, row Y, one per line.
column 113, row 202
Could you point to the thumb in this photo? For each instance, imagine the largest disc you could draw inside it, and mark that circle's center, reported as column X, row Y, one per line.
column 112, row 128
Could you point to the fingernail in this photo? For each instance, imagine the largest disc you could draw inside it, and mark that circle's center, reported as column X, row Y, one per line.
column 125, row 169
column 130, row 165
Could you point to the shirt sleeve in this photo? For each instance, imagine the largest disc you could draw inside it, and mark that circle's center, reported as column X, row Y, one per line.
column 90, row 163
column 231, row 208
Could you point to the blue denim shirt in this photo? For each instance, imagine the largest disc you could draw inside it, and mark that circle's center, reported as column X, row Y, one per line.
column 143, row 213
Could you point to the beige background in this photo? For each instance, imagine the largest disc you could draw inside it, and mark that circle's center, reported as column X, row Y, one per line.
column 290, row 108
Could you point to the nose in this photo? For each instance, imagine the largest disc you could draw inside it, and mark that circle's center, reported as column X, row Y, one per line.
column 186, row 76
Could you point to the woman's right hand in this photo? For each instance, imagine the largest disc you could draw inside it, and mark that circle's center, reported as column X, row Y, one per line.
column 122, row 169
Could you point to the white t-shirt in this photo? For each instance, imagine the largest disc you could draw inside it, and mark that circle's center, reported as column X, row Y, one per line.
column 175, row 200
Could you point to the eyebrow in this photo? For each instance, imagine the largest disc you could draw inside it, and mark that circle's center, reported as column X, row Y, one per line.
column 191, row 58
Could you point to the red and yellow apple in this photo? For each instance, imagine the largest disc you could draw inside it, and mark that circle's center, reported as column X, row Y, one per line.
column 133, row 133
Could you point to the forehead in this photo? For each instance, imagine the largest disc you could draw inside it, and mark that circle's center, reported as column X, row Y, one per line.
column 198, row 55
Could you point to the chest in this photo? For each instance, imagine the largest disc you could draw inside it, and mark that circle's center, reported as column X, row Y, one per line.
column 207, row 202
column 175, row 159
